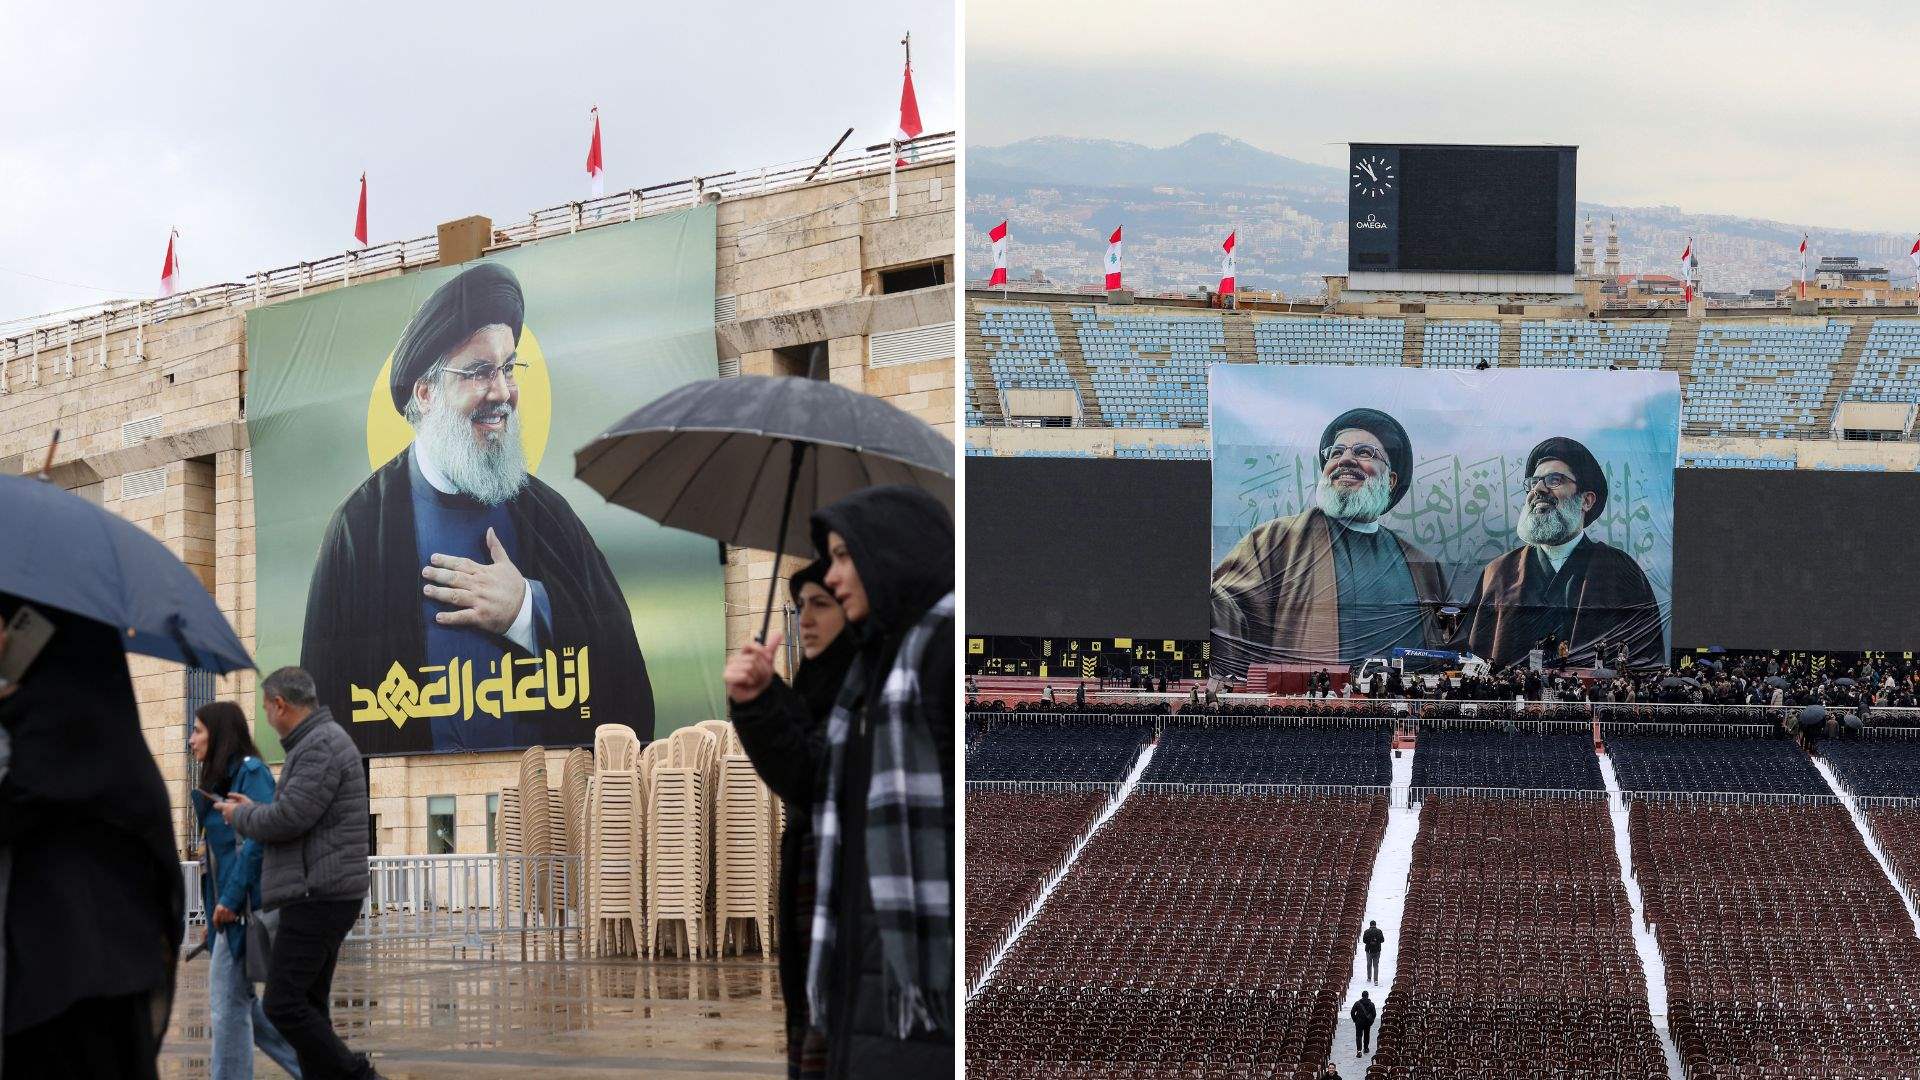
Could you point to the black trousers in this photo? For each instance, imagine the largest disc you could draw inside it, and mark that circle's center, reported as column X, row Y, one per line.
column 1373, row 965
column 95, row 1039
column 1362, row 1040
column 300, row 984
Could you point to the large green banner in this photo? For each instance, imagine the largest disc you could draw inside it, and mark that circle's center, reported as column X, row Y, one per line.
column 422, row 547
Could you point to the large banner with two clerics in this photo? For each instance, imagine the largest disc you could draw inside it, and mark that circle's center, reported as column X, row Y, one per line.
column 1361, row 510
column 422, row 547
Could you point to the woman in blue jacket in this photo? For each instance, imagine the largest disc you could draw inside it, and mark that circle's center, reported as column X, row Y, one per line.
column 230, row 889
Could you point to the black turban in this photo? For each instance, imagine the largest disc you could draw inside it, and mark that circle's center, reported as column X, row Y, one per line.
column 1586, row 469
column 477, row 297
column 1393, row 439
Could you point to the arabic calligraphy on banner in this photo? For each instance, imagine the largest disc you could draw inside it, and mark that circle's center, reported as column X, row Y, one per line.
column 514, row 685
column 1457, row 510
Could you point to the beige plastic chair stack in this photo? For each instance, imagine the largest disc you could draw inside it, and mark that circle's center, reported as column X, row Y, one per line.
column 679, row 842
column 614, row 820
column 536, row 830
column 512, row 843
column 742, row 859
column 777, row 817
column 575, row 775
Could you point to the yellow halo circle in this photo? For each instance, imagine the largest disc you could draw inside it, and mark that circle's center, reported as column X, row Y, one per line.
column 388, row 432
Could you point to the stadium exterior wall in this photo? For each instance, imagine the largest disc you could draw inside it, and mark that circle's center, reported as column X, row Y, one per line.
column 800, row 265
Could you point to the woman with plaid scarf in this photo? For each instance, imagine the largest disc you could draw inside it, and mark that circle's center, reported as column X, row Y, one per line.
column 880, row 970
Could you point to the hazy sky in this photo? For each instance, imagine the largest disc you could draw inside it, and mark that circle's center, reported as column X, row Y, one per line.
column 1770, row 110
column 248, row 126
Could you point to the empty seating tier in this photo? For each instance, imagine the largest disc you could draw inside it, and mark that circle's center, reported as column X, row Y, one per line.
column 1787, row 951
column 1898, row 831
column 1496, row 759
column 1710, row 764
column 1150, row 370
column 1015, row 841
column 1516, row 953
column 1253, row 753
column 1579, row 343
column 1761, row 380
column 1879, row 766
column 1196, row 936
column 1464, row 343
column 1889, row 366
column 1049, row 752
column 1733, row 461
column 1023, row 349
column 1334, row 339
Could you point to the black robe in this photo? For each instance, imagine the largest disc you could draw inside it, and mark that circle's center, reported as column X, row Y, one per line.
column 363, row 613
column 1599, row 593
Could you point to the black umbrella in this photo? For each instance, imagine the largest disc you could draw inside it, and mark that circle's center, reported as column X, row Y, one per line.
column 1813, row 716
column 747, row 461
column 1604, row 673
column 1778, row 682
column 1677, row 682
column 1844, row 682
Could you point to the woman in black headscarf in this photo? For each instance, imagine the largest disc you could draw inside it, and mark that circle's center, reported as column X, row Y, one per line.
column 89, row 878
column 784, row 732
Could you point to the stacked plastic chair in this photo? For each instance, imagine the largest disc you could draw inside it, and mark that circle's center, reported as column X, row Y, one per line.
column 742, row 856
column 678, row 841
column 616, row 848
column 536, row 831
column 512, row 843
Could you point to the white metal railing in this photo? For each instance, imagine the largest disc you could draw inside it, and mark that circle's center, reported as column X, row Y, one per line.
column 60, row 336
column 464, row 897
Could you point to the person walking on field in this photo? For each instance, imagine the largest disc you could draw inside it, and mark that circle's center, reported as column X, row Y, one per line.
column 1363, row 1012
column 314, row 871
column 1373, row 939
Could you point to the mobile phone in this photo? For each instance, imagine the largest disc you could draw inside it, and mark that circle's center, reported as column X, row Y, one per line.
column 27, row 633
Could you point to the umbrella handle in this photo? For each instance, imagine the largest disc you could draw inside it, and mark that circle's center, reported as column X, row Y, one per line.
column 780, row 544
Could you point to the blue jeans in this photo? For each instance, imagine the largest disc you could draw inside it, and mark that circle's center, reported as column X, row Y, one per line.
column 239, row 1023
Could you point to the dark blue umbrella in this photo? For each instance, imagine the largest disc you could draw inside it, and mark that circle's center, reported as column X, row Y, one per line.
column 62, row 551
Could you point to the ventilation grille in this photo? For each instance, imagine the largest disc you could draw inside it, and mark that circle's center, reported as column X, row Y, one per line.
column 139, row 485
column 730, row 367
column 135, row 432
column 246, row 463
column 909, row 346
column 726, row 308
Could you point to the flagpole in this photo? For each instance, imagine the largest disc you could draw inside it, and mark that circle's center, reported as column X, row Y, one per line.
column 893, row 166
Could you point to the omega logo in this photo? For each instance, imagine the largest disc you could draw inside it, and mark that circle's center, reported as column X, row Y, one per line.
column 1371, row 223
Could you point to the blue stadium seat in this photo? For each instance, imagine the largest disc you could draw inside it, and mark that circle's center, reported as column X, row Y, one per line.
column 1710, row 764
column 1096, row 753
column 1150, row 370
column 1580, row 343
column 1889, row 367
column 1497, row 759
column 1768, row 381
column 1733, row 461
column 1336, row 339
column 1023, row 350
column 1263, row 754
column 1465, row 343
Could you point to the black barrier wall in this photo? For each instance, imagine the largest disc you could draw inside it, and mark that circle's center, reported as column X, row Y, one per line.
column 1076, row 548
column 1801, row 560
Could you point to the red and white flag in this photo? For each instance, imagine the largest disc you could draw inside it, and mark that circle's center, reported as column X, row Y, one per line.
column 596, row 171
column 998, row 234
column 1915, row 255
column 1113, row 260
column 170, row 270
column 1687, row 263
column 1803, row 266
column 360, row 216
column 1226, row 265
column 909, row 120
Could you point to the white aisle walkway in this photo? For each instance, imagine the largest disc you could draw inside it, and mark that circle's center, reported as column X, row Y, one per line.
column 1046, row 892
column 1386, row 901
column 1651, row 961
column 1866, row 835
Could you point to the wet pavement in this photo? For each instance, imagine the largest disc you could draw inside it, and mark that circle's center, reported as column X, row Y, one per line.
column 436, row 1012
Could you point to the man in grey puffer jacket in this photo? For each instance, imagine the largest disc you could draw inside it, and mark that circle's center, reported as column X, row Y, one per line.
column 314, row 871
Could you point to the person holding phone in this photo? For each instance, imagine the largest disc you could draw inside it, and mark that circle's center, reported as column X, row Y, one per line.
column 230, row 891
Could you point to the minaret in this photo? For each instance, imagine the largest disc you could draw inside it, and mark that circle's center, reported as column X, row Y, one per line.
column 1612, row 269
column 1586, row 250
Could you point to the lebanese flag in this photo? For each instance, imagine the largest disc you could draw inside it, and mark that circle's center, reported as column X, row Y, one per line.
column 1915, row 255
column 1113, row 261
column 170, row 270
column 596, row 171
column 1803, row 266
column 1226, row 265
column 909, row 121
column 360, row 218
column 998, row 234
column 1687, row 264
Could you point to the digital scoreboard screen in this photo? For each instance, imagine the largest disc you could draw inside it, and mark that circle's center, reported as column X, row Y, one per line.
column 1460, row 209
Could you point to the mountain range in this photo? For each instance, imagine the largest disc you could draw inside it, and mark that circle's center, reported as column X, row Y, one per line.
column 1063, row 195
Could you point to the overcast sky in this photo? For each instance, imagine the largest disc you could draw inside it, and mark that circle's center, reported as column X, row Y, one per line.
column 248, row 127
column 1771, row 110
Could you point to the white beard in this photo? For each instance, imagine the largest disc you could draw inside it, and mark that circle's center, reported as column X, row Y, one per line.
column 491, row 473
column 1357, row 506
column 1566, row 521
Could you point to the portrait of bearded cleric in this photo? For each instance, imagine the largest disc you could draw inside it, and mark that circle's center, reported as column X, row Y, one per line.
column 458, row 603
